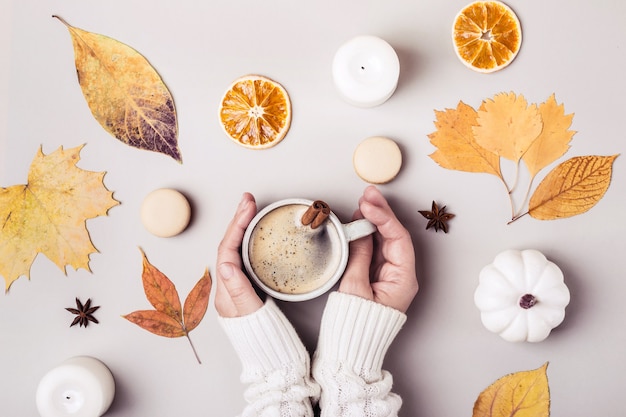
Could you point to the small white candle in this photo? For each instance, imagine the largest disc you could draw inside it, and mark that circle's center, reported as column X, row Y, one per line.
column 81, row 386
column 366, row 71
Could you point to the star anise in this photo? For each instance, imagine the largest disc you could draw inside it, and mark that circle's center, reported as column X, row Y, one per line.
column 437, row 218
column 84, row 313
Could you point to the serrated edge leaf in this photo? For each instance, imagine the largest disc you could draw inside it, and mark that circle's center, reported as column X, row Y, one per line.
column 197, row 302
column 68, row 158
column 572, row 188
column 478, row 160
column 514, row 132
column 553, row 141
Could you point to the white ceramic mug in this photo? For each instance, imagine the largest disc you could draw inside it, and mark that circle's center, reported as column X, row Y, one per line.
column 291, row 261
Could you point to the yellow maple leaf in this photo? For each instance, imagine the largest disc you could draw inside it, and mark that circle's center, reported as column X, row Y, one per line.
column 554, row 139
column 521, row 394
column 507, row 125
column 48, row 215
column 456, row 146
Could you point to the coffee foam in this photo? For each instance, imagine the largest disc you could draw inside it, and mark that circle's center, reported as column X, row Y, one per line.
column 291, row 258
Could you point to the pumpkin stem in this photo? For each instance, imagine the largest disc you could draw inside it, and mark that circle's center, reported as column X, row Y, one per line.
column 527, row 301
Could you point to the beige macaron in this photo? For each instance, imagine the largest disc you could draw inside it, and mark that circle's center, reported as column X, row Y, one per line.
column 377, row 160
column 165, row 212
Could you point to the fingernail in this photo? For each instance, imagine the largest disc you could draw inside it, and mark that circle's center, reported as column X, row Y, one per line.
column 226, row 271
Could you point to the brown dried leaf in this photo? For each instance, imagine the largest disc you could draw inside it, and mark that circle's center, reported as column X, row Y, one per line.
column 554, row 139
column 456, row 146
column 572, row 188
column 160, row 291
column 125, row 93
column 507, row 125
column 521, row 394
column 197, row 302
column 156, row 322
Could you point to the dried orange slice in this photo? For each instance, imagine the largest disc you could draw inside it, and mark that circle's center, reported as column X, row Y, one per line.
column 487, row 36
column 255, row 112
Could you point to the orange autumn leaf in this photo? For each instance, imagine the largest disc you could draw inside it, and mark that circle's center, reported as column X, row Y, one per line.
column 160, row 291
column 196, row 302
column 456, row 146
column 169, row 319
column 572, row 188
column 554, row 139
column 48, row 215
column 507, row 125
column 521, row 394
column 124, row 92
column 156, row 322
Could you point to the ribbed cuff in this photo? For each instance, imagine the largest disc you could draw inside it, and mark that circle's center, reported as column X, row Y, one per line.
column 265, row 341
column 356, row 332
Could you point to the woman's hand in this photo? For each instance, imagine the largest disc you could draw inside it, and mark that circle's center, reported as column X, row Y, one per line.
column 235, row 295
column 381, row 268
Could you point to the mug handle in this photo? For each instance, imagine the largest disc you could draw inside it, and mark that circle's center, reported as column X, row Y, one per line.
column 358, row 229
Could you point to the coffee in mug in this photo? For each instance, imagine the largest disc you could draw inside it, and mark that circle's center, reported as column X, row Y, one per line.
column 293, row 261
column 290, row 257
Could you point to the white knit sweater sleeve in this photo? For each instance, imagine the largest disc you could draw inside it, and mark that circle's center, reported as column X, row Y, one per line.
column 355, row 335
column 275, row 364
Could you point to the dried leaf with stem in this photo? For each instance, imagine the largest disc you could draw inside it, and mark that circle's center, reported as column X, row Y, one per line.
column 572, row 188
column 49, row 214
column 125, row 93
column 168, row 318
column 507, row 127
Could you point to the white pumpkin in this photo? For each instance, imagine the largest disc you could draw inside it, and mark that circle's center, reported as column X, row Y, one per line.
column 521, row 296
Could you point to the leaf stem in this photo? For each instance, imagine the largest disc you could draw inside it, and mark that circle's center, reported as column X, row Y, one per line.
column 193, row 348
column 527, row 193
column 515, row 179
column 516, row 217
column 508, row 193
column 62, row 20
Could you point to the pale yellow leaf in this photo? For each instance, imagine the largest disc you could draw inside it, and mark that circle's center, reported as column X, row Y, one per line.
column 554, row 139
column 48, row 215
column 572, row 188
column 507, row 125
column 125, row 93
column 456, row 147
column 521, row 394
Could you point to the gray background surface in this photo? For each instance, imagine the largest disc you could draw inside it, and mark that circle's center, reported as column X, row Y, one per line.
column 444, row 357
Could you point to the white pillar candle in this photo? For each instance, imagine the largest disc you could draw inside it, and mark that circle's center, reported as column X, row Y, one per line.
column 81, row 386
column 366, row 71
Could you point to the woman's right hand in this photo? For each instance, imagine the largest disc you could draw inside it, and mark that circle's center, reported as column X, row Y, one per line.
column 382, row 268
